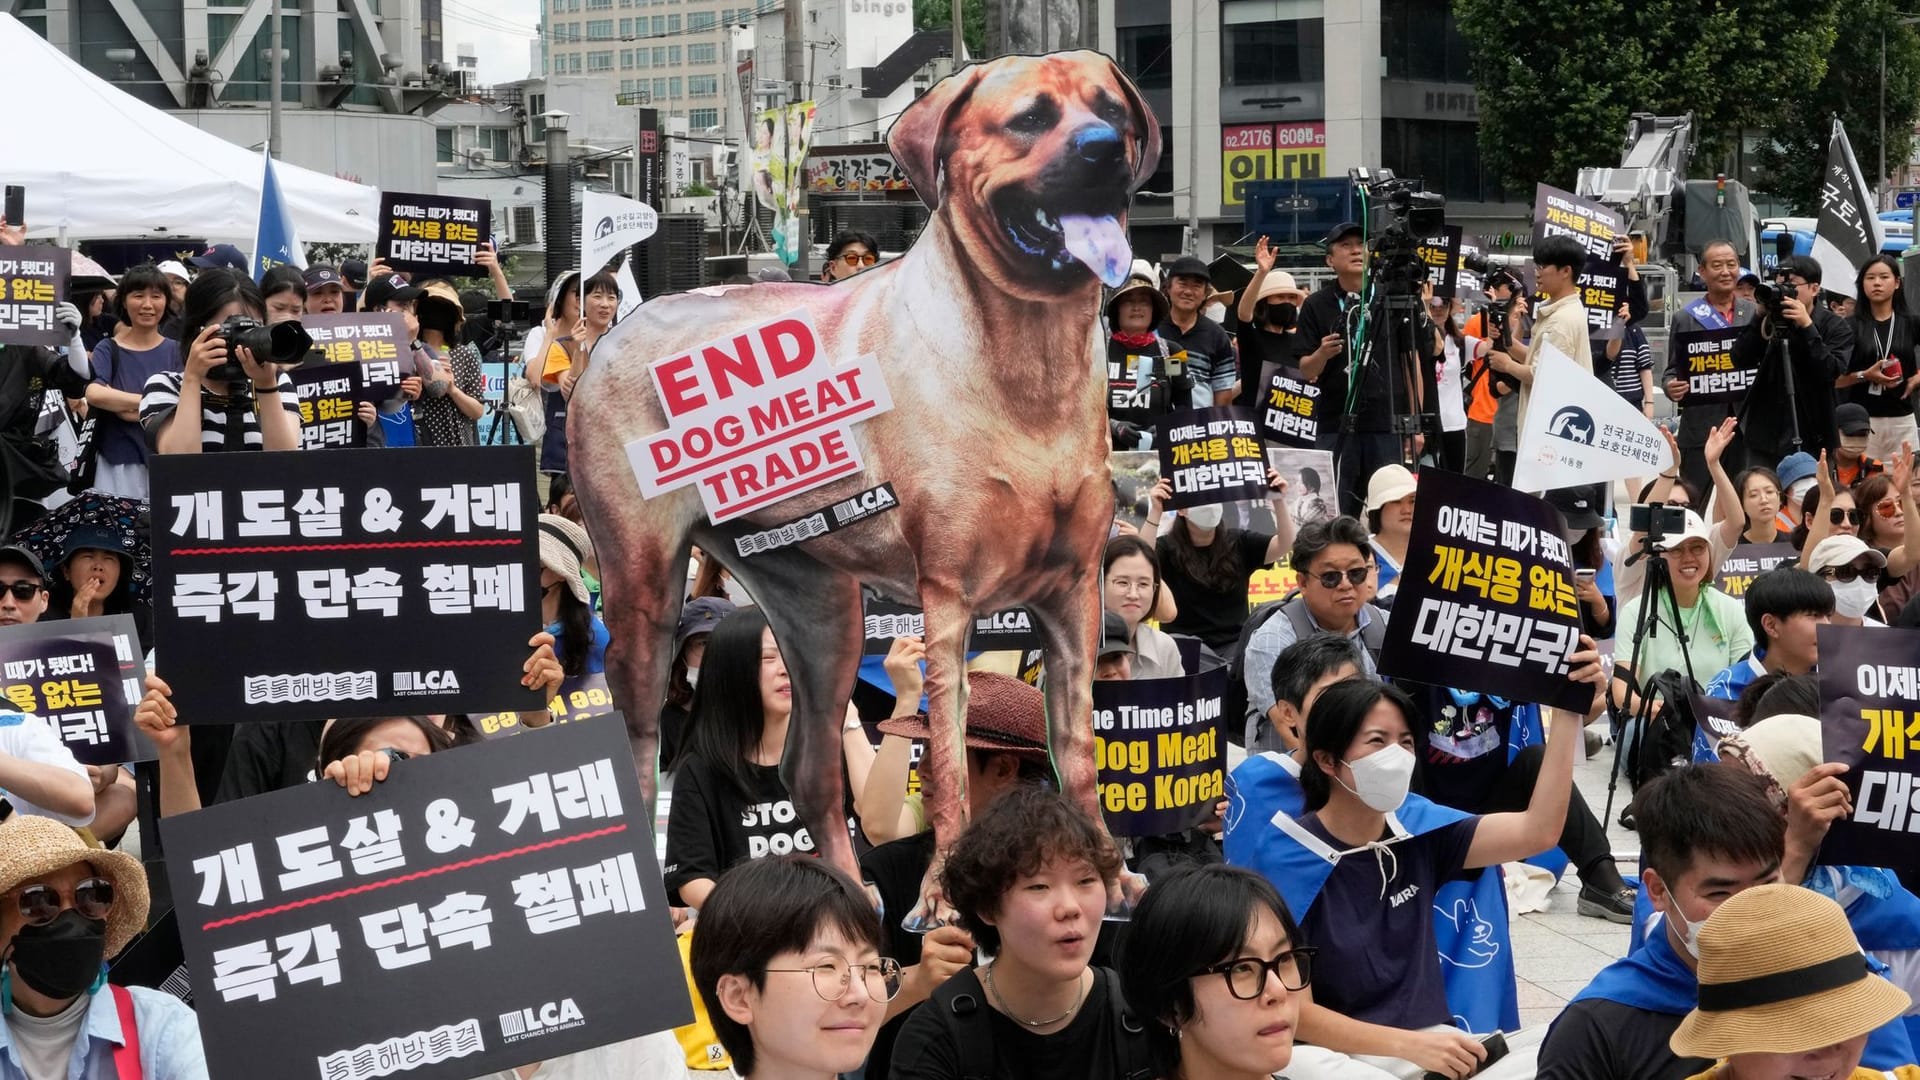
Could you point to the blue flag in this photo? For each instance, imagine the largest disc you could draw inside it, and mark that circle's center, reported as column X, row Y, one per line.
column 274, row 242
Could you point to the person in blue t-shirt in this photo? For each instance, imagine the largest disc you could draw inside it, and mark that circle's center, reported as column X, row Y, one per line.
column 1786, row 607
column 579, row 637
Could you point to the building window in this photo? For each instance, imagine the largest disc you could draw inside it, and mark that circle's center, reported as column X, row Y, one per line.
column 600, row 61
column 659, row 56
column 599, row 5
column 700, row 119
column 626, row 59
column 600, row 30
column 702, row 54
column 640, row 59
column 525, row 224
column 659, row 25
column 626, row 86
column 659, row 89
column 703, row 85
column 443, row 146
column 573, row 64
column 673, row 87
column 1146, row 53
column 673, row 24
column 701, row 20
column 626, row 28
column 499, row 142
column 1445, row 153
column 1419, row 40
column 673, row 56
column 1262, row 54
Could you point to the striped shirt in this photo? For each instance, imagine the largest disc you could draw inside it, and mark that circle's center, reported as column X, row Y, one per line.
column 162, row 397
column 1635, row 357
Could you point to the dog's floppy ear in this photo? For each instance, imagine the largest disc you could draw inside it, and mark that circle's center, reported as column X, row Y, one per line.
column 915, row 139
column 1146, row 127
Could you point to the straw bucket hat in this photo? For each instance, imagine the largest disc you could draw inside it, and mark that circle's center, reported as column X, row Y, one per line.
column 32, row 847
column 1781, row 973
column 564, row 549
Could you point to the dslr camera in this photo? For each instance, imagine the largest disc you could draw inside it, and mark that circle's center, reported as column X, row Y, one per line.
column 284, row 344
column 1772, row 294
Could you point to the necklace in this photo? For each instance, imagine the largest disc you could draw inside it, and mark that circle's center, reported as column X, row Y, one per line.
column 994, row 992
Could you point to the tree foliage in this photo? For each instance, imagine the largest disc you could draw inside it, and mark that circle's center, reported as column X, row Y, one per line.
column 938, row 15
column 1791, row 163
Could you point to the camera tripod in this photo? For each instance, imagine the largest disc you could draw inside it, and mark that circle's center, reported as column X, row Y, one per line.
column 1657, row 584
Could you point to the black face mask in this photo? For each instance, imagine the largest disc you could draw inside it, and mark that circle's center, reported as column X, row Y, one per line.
column 62, row 958
column 1281, row 316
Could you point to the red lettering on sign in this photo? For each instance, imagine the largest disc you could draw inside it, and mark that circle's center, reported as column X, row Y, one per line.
column 789, row 346
column 679, row 385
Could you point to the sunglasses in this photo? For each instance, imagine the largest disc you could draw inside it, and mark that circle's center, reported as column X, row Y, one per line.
column 41, row 904
column 1330, row 579
column 1836, row 515
column 1247, row 976
column 1847, row 574
column 22, row 590
column 1886, row 509
column 854, row 258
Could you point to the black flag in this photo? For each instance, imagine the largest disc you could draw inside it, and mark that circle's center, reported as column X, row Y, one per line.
column 1849, row 231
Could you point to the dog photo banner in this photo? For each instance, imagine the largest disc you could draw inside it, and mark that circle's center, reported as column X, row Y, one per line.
column 1160, row 752
column 1562, row 213
column 352, row 583
column 1748, row 561
column 1868, row 722
column 1290, row 413
column 1714, row 376
column 433, row 234
column 1486, row 595
column 33, row 281
column 1603, row 288
column 328, row 396
column 1211, row 455
column 83, row 677
column 340, row 938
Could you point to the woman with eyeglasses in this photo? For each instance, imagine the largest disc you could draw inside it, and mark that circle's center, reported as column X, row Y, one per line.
column 849, row 254
column 787, row 960
column 65, row 909
column 1886, row 511
column 1215, row 968
column 1130, row 575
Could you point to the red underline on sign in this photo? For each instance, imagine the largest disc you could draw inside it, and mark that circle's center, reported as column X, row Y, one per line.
column 418, row 875
column 821, row 421
column 386, row 545
column 804, row 484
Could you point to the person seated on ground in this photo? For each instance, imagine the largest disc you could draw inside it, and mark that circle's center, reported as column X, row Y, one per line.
column 1006, row 742
column 1132, row 586
column 1114, row 660
column 1786, row 607
column 1147, row 378
column 1381, row 996
column 1214, row 968
column 1852, row 570
column 1713, row 623
column 1786, row 992
column 1587, row 542
column 1029, row 880
column 1205, row 566
column 1796, row 479
column 1707, row 833
column 698, row 617
column 1824, row 512
column 1299, row 673
column 787, row 960
column 1747, row 506
column 1850, row 461
column 1335, row 563
column 94, row 577
column 1886, row 506
column 1390, row 495
column 66, row 908
column 1668, row 489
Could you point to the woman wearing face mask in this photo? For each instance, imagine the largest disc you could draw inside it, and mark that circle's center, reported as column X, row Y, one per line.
column 1715, row 623
column 1206, row 566
column 65, row 909
column 122, row 364
column 1379, row 990
column 1146, row 377
column 1216, row 968
column 1268, row 310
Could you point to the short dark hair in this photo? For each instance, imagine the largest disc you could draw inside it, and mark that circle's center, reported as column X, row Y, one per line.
column 601, row 282
column 1804, row 266
column 141, row 278
column 851, row 237
column 1783, row 592
column 1309, row 660
column 1128, row 544
column 279, row 279
column 1706, row 809
column 1788, row 694
column 1309, row 542
column 1562, row 251
column 1020, row 832
column 342, row 738
column 214, row 289
column 759, row 910
column 1334, row 722
column 1192, row 917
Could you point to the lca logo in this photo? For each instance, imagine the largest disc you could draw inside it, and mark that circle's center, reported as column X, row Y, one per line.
column 425, row 682
column 529, row 1022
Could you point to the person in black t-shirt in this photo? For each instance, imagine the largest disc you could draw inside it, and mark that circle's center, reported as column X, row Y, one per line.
column 1324, row 318
column 1205, row 566
column 1269, row 312
column 697, row 620
column 1208, row 346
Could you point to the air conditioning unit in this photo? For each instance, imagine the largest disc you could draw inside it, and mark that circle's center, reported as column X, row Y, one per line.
column 478, row 158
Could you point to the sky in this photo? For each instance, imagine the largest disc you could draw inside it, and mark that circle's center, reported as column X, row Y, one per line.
column 502, row 32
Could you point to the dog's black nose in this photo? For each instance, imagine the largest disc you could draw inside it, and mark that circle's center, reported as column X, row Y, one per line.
column 1099, row 146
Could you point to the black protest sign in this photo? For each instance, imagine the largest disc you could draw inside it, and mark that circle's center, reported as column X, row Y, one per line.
column 1748, row 561
column 1603, row 288
column 1441, row 256
column 1486, row 595
column 377, row 341
column 1013, row 629
column 578, row 698
column 352, row 583
column 1713, row 720
column 33, row 280
column 1290, row 412
column 1158, row 746
column 435, row 234
column 328, row 396
column 83, row 677
column 855, row 508
column 1211, row 455
column 1562, row 213
column 1714, row 376
column 1869, row 723
column 1468, row 283
column 480, row 908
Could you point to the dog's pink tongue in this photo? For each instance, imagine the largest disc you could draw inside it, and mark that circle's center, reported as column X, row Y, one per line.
column 1100, row 243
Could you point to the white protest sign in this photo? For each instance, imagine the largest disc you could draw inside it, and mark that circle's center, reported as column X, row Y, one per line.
column 1578, row 430
column 609, row 223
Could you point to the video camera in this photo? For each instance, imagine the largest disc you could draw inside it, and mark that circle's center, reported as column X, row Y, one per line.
column 1403, row 215
column 285, row 344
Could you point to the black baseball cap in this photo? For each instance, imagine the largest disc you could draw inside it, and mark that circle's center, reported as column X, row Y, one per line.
column 1852, row 419
column 14, row 553
column 220, row 255
column 354, row 272
column 1113, row 635
column 1579, row 506
column 320, row 277
column 391, row 287
column 1341, row 232
column 1190, row 266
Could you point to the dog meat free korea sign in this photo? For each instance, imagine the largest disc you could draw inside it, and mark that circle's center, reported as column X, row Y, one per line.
column 757, row 416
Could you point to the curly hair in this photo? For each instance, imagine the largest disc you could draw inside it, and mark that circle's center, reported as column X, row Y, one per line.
column 1022, row 831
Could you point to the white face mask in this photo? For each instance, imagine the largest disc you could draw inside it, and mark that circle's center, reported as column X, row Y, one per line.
column 1216, row 312
column 693, row 677
column 1798, row 491
column 1854, row 598
column 1381, row 778
column 1689, row 933
column 1206, row 517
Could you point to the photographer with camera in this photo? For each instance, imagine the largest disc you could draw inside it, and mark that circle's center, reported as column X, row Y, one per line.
column 1819, row 348
column 233, row 370
column 1493, row 431
column 1720, row 309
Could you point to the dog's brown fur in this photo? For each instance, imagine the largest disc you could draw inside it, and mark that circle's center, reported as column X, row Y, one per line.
column 995, row 446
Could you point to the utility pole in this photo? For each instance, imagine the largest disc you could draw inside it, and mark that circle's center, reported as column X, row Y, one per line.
column 959, row 35
column 1193, row 132
column 1880, row 178
column 273, row 78
column 796, row 64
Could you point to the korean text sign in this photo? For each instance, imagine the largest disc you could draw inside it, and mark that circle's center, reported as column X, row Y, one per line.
column 375, row 340
column 1486, row 595
column 1290, row 415
column 1748, row 561
column 757, row 416
column 351, row 583
column 1562, row 213
column 481, row 907
column 578, row 698
column 83, row 677
column 328, row 396
column 1714, row 376
column 438, row 234
column 1870, row 722
column 1603, row 288
column 1010, row 630
column 1441, row 256
column 1212, row 455
column 33, row 280
column 1158, row 746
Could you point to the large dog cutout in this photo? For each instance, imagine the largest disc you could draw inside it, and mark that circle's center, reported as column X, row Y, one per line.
column 986, row 336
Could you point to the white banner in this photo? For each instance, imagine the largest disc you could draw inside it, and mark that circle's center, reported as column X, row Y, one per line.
column 630, row 297
column 609, row 224
column 1578, row 430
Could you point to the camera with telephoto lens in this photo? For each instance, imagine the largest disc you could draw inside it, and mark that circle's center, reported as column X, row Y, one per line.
column 1658, row 522
column 1772, row 296
column 285, row 344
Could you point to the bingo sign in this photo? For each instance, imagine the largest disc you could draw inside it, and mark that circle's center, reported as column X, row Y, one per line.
column 1250, row 153
column 1714, row 376
column 435, row 234
column 1869, row 724
column 757, row 417
column 32, row 281
column 1158, row 747
column 83, row 677
column 1212, row 455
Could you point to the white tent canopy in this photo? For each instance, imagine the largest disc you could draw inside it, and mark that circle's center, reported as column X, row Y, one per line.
column 98, row 163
